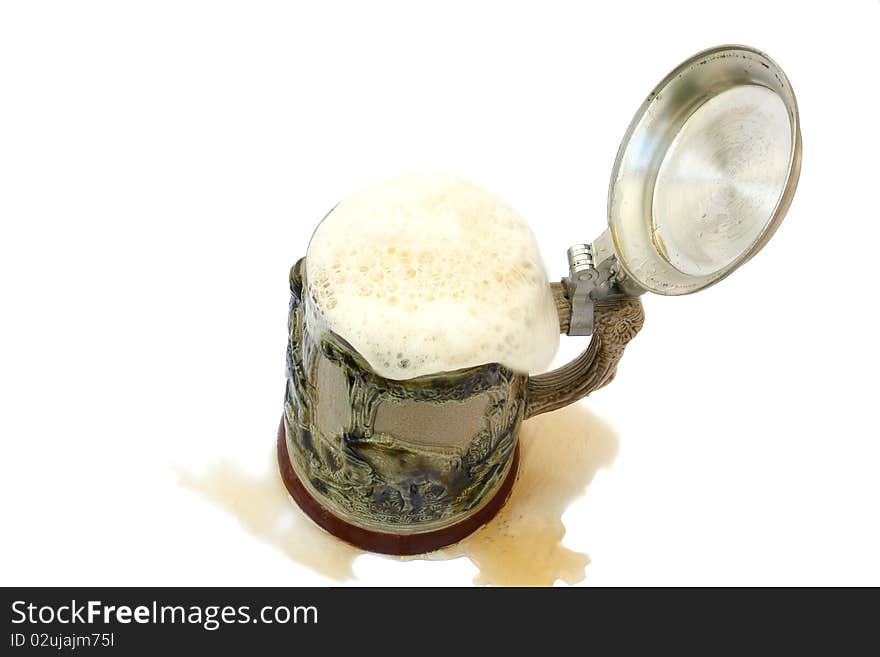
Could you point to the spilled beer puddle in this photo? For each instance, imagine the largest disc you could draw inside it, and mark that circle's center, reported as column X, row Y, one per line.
column 521, row 546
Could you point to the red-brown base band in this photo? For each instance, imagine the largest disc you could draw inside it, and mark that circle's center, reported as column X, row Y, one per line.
column 397, row 544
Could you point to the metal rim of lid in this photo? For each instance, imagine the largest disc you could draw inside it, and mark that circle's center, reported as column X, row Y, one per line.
column 630, row 196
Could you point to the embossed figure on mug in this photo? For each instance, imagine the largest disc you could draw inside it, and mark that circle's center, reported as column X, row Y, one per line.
column 422, row 320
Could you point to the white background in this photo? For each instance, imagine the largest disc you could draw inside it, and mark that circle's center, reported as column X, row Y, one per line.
column 162, row 164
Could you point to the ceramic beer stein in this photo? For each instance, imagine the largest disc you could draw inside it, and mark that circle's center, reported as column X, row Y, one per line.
column 407, row 466
column 703, row 177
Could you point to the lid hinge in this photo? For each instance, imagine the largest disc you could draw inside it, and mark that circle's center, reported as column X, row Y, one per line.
column 588, row 282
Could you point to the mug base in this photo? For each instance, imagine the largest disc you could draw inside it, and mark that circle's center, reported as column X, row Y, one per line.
column 383, row 542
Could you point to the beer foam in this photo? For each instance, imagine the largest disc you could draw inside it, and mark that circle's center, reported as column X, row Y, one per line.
column 429, row 273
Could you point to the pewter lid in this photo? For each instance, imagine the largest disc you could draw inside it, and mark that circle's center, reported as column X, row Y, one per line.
column 705, row 172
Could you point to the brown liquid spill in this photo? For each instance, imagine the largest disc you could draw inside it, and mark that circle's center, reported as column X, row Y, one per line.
column 521, row 546
column 262, row 505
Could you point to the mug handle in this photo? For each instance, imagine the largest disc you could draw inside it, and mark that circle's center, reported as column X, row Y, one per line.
column 615, row 323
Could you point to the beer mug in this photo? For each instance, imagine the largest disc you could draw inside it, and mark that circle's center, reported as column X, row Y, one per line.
column 703, row 177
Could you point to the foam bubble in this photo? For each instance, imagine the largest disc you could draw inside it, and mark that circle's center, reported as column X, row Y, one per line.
column 429, row 273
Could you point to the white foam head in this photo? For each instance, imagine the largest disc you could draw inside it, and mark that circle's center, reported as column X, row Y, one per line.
column 428, row 273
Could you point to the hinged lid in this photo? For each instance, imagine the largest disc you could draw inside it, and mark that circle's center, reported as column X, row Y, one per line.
column 705, row 172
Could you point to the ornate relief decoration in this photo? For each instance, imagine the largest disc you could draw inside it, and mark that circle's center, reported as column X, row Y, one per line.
column 384, row 481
